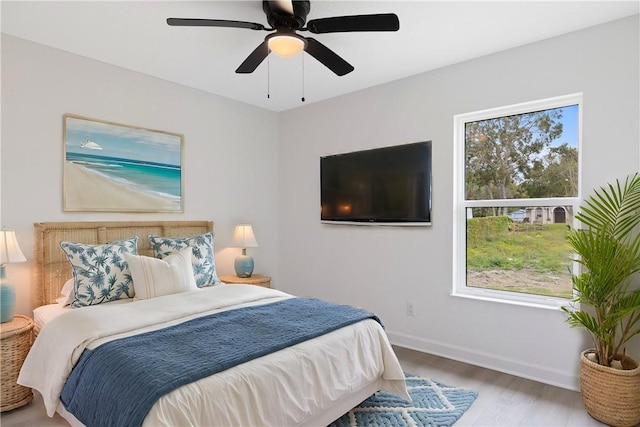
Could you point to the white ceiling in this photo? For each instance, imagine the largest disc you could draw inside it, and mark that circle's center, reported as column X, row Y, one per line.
column 433, row 34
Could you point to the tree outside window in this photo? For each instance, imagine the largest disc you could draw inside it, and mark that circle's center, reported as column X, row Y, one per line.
column 518, row 183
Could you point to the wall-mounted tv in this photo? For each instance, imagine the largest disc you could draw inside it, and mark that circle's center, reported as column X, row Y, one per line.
column 384, row 186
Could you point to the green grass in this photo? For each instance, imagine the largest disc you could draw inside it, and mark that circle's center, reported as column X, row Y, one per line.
column 536, row 290
column 536, row 261
column 541, row 251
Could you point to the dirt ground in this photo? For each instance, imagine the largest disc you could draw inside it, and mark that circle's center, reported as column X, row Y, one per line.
column 521, row 281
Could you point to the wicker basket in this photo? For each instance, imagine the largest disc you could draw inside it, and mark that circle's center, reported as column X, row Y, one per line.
column 610, row 395
column 14, row 346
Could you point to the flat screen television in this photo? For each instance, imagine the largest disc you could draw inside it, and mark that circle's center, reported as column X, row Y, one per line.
column 385, row 186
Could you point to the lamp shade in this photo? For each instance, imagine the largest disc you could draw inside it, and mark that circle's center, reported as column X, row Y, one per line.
column 9, row 248
column 243, row 237
column 286, row 45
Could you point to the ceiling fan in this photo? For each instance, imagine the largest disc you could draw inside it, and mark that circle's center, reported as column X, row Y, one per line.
column 286, row 18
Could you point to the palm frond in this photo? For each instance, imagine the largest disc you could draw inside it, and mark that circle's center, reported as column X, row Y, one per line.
column 609, row 251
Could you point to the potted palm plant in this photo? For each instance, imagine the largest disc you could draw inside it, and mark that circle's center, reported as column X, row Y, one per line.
column 607, row 301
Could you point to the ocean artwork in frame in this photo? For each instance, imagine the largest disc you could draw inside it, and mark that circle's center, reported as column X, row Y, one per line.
column 111, row 167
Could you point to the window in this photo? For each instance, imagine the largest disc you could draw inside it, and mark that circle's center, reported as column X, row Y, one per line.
column 517, row 188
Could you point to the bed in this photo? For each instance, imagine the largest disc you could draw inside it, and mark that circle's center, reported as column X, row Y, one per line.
column 310, row 382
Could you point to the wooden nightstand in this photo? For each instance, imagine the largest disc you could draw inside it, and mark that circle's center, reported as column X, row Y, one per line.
column 255, row 279
column 16, row 337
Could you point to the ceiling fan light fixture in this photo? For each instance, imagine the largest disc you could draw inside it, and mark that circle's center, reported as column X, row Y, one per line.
column 286, row 45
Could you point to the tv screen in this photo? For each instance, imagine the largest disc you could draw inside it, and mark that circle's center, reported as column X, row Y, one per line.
column 390, row 185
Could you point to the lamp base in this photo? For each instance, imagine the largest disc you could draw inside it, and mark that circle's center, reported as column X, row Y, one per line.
column 7, row 303
column 244, row 265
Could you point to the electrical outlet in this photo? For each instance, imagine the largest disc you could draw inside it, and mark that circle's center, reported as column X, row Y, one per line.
column 410, row 309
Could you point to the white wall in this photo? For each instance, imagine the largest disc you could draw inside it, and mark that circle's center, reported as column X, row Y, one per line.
column 381, row 268
column 230, row 150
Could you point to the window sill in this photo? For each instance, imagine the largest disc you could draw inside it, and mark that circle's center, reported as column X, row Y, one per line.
column 534, row 301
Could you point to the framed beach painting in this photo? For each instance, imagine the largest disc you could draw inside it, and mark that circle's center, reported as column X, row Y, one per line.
column 111, row 167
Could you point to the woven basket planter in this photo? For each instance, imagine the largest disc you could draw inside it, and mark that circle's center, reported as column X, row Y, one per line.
column 610, row 395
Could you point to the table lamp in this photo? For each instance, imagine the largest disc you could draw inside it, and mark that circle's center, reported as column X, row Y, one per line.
column 243, row 238
column 9, row 252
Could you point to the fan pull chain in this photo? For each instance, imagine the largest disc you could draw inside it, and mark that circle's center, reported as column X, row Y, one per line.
column 302, row 76
column 268, row 79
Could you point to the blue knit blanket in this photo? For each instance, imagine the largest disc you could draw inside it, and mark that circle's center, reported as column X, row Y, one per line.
column 117, row 383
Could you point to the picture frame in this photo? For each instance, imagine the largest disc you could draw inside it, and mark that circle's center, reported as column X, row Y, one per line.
column 113, row 167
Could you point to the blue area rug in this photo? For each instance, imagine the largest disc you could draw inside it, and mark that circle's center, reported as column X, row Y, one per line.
column 434, row 405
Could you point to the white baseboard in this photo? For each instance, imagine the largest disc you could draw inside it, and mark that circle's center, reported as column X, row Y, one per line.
column 495, row 362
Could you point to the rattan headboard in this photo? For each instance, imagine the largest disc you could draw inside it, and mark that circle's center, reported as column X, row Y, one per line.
column 51, row 269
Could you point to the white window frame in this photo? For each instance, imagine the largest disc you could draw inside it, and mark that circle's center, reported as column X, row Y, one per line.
column 460, row 289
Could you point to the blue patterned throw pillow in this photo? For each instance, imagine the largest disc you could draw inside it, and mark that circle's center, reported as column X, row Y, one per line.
column 100, row 272
column 202, row 260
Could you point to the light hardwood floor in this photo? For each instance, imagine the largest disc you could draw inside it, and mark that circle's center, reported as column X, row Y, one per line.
column 503, row 400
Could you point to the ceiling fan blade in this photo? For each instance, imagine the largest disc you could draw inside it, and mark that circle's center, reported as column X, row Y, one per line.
column 343, row 24
column 254, row 59
column 285, row 6
column 195, row 22
column 327, row 57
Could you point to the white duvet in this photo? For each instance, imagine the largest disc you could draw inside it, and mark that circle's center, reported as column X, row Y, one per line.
column 289, row 387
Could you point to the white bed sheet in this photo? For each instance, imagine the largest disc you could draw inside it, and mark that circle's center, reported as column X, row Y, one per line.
column 308, row 383
column 44, row 314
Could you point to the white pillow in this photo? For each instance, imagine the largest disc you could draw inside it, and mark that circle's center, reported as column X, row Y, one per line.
column 153, row 277
column 67, row 293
